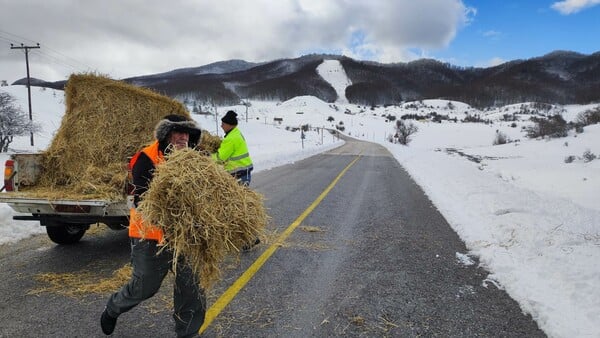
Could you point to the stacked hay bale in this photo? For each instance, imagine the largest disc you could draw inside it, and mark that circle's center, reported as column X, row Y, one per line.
column 203, row 212
column 105, row 122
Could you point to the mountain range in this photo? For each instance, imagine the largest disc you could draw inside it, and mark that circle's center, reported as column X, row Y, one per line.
column 560, row 77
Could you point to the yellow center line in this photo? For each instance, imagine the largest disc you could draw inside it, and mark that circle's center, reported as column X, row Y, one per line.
column 235, row 288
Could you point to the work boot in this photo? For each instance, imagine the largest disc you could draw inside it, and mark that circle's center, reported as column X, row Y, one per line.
column 193, row 335
column 249, row 246
column 107, row 322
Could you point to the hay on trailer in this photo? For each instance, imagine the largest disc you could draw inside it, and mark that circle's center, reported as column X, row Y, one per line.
column 203, row 212
column 105, row 122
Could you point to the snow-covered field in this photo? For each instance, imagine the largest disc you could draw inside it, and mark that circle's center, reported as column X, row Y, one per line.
column 532, row 219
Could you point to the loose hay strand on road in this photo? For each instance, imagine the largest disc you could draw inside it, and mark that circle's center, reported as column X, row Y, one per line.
column 309, row 228
column 203, row 212
column 82, row 282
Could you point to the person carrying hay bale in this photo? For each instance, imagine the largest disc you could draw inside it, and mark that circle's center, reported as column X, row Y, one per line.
column 150, row 260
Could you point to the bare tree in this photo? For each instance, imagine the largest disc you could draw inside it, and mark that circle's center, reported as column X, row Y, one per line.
column 552, row 126
column 404, row 130
column 13, row 121
column 588, row 117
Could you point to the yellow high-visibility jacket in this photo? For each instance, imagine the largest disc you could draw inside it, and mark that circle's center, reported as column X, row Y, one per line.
column 233, row 152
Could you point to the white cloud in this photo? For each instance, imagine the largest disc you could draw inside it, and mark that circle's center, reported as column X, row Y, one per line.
column 492, row 33
column 567, row 7
column 129, row 38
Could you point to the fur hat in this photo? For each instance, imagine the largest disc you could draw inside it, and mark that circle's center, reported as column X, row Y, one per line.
column 179, row 123
column 230, row 118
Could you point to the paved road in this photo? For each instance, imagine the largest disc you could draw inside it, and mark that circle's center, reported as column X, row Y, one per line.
column 373, row 259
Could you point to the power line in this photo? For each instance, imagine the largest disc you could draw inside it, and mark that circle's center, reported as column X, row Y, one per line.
column 6, row 39
column 57, row 61
column 18, row 38
column 73, row 61
column 50, row 54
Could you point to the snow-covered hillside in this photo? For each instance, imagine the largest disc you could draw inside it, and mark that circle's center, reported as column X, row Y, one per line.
column 333, row 72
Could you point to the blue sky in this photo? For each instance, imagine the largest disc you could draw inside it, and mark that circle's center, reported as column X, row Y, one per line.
column 104, row 37
column 511, row 30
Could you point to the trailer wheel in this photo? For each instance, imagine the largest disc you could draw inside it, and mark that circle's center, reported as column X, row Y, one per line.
column 67, row 234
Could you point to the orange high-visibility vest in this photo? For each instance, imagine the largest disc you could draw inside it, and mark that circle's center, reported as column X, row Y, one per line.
column 137, row 227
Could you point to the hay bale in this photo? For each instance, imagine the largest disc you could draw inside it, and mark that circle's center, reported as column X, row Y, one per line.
column 209, row 143
column 105, row 122
column 202, row 210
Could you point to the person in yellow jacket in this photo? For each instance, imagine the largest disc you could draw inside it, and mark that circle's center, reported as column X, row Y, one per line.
column 233, row 151
column 233, row 154
column 150, row 264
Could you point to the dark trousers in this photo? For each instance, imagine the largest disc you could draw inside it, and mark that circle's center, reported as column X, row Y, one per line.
column 149, row 270
column 243, row 176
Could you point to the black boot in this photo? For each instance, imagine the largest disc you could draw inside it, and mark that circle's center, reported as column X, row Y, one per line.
column 107, row 322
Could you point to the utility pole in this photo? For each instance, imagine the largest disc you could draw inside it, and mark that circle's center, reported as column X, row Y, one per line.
column 26, row 49
column 247, row 104
column 216, row 118
column 322, row 131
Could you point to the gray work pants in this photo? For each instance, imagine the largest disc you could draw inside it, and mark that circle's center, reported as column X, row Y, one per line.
column 149, row 270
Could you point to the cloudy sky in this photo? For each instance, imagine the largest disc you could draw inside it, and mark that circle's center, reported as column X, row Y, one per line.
column 139, row 37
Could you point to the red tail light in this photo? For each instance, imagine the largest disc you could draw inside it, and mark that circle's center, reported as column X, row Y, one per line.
column 9, row 174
